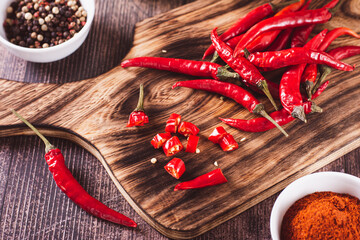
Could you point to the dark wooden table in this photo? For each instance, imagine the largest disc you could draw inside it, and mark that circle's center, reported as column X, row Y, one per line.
column 32, row 207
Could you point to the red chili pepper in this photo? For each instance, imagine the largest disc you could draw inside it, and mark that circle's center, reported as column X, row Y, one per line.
column 173, row 123
column 192, row 143
column 264, row 40
column 291, row 20
column 138, row 116
column 217, row 134
column 335, row 33
column 172, row 146
column 228, row 143
column 176, row 167
column 229, row 90
column 68, row 184
column 289, row 90
column 338, row 53
column 320, row 90
column 212, row 178
column 296, row 56
column 244, row 23
column 301, row 34
column 159, row 139
column 242, row 66
column 332, row 4
column 189, row 67
column 188, row 128
column 282, row 117
column 282, row 41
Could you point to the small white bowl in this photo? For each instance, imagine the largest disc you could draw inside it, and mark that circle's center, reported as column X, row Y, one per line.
column 316, row 182
column 50, row 54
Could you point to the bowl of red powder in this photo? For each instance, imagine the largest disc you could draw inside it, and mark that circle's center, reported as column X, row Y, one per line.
column 322, row 205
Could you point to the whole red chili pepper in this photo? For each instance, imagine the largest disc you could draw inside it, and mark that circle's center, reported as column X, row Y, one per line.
column 212, row 178
column 175, row 167
column 282, row 41
column 335, row 33
column 68, row 184
column 192, row 143
column 290, row 20
column 282, row 117
column 289, row 90
column 138, row 116
column 249, row 73
column 338, row 53
column 189, row 67
column 232, row 91
column 296, row 56
column 244, row 23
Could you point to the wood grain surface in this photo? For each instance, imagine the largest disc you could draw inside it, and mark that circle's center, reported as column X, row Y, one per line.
column 99, row 106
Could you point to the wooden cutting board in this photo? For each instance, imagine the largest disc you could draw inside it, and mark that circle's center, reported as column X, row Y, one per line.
column 94, row 112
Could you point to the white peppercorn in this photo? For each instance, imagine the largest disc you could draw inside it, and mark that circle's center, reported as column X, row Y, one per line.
column 28, row 16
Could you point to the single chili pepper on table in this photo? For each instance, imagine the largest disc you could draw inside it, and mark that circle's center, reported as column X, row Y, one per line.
column 291, row 20
column 282, row 117
column 175, row 167
column 138, row 117
column 189, row 67
column 192, row 143
column 68, row 184
column 244, row 23
column 249, row 73
column 296, row 56
column 232, row 91
column 289, row 90
column 212, row 178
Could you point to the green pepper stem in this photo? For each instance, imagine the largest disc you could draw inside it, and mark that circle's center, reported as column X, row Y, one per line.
column 48, row 145
column 298, row 112
column 264, row 87
column 308, row 87
column 140, row 104
column 325, row 71
column 215, row 57
column 259, row 109
column 224, row 74
column 246, row 53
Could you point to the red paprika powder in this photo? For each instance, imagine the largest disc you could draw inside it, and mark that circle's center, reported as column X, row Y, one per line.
column 322, row 215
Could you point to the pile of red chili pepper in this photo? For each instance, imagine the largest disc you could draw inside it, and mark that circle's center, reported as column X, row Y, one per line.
column 268, row 38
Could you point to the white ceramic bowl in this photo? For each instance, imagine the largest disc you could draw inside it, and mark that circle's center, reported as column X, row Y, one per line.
column 316, row 182
column 50, row 54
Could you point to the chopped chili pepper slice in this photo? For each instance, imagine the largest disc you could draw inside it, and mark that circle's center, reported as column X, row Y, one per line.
column 228, row 143
column 176, row 167
column 159, row 139
column 217, row 134
column 172, row 123
column 212, row 178
column 192, row 143
column 172, row 146
column 188, row 128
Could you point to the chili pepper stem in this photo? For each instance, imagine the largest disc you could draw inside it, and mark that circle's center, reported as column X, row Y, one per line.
column 264, row 87
column 325, row 71
column 259, row 109
column 215, row 57
column 298, row 112
column 140, row 105
column 48, row 145
column 309, row 87
column 315, row 108
column 224, row 74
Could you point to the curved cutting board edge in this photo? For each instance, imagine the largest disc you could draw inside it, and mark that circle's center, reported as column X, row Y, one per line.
column 94, row 112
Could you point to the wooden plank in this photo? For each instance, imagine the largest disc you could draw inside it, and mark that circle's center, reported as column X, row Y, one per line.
column 97, row 109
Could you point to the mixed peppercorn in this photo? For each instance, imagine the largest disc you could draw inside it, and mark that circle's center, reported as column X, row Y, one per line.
column 43, row 23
